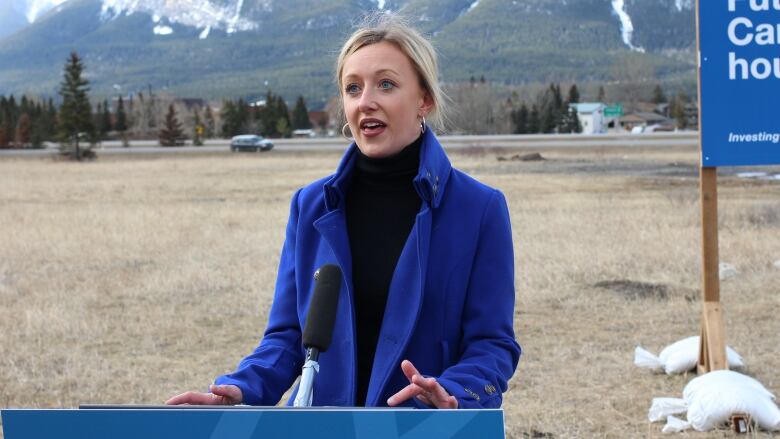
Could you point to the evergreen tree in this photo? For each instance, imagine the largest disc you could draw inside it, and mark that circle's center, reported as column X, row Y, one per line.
column 602, row 96
column 242, row 117
column 121, row 122
column 275, row 117
column 282, row 118
column 226, row 114
column 658, row 95
column 520, row 120
column 9, row 115
column 533, row 120
column 98, row 120
column 576, row 126
column 170, row 133
column 23, row 131
column 268, row 116
column 210, row 123
column 549, row 119
column 13, row 110
column 300, row 120
column 25, row 106
column 50, row 121
column 233, row 118
column 131, row 115
column 105, row 123
column 121, row 116
column 557, row 97
column 550, row 105
column 39, row 122
column 570, row 123
column 75, row 115
column 574, row 95
column 4, row 123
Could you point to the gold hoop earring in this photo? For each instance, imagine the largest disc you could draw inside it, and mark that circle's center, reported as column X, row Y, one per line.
column 350, row 138
column 422, row 125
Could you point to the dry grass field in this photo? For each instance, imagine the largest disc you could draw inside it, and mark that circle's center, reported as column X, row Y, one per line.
column 128, row 280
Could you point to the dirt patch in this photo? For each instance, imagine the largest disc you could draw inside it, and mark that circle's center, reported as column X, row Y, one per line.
column 536, row 434
column 532, row 157
column 635, row 290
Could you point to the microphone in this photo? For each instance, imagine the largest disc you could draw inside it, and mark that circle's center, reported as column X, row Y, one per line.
column 318, row 332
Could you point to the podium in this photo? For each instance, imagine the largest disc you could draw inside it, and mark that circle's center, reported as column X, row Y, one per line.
column 243, row 422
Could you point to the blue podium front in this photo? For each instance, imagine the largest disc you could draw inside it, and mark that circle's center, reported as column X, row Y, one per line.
column 251, row 422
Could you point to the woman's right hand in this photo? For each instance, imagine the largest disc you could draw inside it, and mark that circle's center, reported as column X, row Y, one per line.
column 220, row 395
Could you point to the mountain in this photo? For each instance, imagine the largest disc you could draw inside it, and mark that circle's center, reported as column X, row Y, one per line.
column 12, row 18
column 17, row 14
column 231, row 48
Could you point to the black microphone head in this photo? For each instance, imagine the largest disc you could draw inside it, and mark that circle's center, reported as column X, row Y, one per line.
column 321, row 316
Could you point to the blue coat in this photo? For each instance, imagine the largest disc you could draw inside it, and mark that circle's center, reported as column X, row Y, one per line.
column 449, row 308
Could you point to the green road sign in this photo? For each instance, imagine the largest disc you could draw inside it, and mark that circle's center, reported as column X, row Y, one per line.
column 613, row 110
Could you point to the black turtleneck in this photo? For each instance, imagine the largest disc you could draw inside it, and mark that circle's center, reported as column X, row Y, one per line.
column 381, row 207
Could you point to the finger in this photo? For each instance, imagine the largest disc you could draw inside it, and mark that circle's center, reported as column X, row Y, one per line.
column 432, row 387
column 425, row 400
column 436, row 393
column 230, row 393
column 196, row 398
column 182, row 398
column 450, row 403
column 409, row 370
column 404, row 394
column 173, row 400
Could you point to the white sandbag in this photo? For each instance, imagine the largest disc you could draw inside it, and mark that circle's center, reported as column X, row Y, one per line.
column 643, row 358
column 680, row 357
column 705, row 382
column 714, row 397
column 662, row 408
column 675, row 425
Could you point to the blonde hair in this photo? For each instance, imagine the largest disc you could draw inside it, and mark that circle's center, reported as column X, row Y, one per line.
column 390, row 27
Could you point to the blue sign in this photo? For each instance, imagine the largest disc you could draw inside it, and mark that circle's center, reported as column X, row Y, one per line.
column 740, row 82
column 252, row 423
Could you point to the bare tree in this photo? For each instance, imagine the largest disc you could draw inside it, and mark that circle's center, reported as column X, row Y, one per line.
column 477, row 108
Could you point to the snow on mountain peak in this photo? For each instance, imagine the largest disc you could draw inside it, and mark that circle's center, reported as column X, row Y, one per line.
column 35, row 8
column 683, row 4
column 202, row 14
column 626, row 27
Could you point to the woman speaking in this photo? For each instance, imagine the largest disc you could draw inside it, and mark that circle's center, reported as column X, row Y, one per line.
column 426, row 304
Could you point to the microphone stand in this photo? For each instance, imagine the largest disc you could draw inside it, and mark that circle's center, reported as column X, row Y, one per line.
column 310, row 369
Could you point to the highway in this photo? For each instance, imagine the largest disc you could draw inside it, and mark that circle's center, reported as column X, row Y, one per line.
column 685, row 139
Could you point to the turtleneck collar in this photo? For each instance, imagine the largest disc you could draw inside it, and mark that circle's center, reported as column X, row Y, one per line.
column 402, row 166
column 430, row 181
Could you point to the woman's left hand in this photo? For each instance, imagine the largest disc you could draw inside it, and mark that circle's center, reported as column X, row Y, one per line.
column 426, row 390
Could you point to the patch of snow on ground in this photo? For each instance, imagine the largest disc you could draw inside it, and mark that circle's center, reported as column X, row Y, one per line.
column 162, row 30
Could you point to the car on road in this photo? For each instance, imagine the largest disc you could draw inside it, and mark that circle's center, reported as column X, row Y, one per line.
column 250, row 142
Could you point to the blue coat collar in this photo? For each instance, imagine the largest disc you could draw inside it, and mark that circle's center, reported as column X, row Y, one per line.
column 430, row 182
